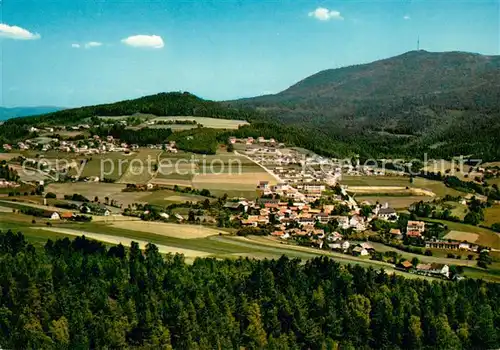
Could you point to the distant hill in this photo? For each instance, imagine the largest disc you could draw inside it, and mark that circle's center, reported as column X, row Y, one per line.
column 412, row 102
column 7, row 113
column 162, row 104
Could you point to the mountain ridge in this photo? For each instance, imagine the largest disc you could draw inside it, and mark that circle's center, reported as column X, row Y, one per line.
column 21, row 111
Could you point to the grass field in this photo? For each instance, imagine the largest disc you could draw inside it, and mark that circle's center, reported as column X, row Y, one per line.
column 221, row 173
column 397, row 181
column 492, row 215
column 450, row 167
column 485, row 237
column 396, row 202
column 397, row 184
column 168, row 229
column 200, row 244
column 214, row 123
column 114, row 191
column 140, row 167
column 462, row 236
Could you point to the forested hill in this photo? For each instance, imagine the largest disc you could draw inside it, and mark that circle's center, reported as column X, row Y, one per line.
column 412, row 102
column 162, row 104
column 82, row 295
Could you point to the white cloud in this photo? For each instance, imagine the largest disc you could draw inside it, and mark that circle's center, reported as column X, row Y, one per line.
column 406, row 18
column 75, row 46
column 92, row 44
column 152, row 41
column 18, row 33
column 324, row 14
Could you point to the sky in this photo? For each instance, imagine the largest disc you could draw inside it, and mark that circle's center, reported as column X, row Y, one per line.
column 71, row 53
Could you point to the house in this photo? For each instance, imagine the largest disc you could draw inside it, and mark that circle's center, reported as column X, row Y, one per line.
column 342, row 220
column 413, row 234
column 434, row 269
column 95, row 209
column 323, row 218
column 334, row 237
column 306, row 221
column 66, row 215
column 236, row 206
column 52, row 215
column 339, row 245
column 360, row 251
column 396, row 233
column 418, row 226
column 357, row 222
column 406, row 265
column 388, row 214
column 253, row 220
column 367, row 246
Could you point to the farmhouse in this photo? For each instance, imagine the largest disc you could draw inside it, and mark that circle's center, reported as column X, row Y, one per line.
column 406, row 265
column 52, row 215
column 360, row 251
column 396, row 233
column 434, row 269
column 388, row 214
column 339, row 245
column 418, row 226
column 95, row 209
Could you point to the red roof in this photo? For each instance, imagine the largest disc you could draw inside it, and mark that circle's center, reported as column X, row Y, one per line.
column 413, row 234
column 406, row 264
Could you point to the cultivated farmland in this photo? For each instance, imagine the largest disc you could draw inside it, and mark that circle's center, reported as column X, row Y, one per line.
column 214, row 123
column 167, row 229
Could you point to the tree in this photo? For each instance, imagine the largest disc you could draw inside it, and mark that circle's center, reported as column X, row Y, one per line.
column 496, row 226
column 255, row 333
column 472, row 219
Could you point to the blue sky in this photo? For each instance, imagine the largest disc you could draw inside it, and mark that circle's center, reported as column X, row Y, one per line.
column 79, row 52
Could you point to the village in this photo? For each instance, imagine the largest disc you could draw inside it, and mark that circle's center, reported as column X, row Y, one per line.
column 306, row 205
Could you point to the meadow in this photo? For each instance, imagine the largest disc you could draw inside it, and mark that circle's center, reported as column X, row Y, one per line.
column 221, row 173
column 205, row 241
column 485, row 236
column 492, row 215
column 396, row 202
column 214, row 123
column 114, row 191
column 398, row 185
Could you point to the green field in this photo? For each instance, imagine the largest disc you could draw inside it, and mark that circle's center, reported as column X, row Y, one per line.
column 486, row 237
column 399, row 181
column 221, row 173
column 140, row 166
column 396, row 202
column 399, row 184
column 492, row 215
column 214, row 123
column 220, row 246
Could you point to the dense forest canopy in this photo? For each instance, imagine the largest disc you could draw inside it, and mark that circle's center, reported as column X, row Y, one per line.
column 79, row 294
